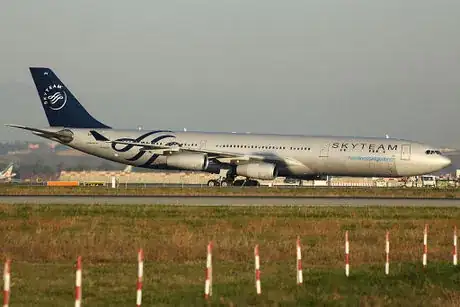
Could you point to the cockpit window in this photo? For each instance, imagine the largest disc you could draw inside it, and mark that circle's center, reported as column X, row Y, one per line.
column 433, row 152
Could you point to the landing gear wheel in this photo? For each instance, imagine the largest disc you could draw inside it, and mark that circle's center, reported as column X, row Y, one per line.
column 213, row 183
column 224, row 184
column 238, row 183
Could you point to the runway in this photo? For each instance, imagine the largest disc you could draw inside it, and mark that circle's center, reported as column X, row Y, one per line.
column 228, row 201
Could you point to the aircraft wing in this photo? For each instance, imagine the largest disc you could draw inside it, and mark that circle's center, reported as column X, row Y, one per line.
column 176, row 148
column 222, row 156
column 146, row 146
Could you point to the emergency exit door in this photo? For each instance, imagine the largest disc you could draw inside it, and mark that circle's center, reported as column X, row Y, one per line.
column 202, row 144
column 324, row 152
column 405, row 152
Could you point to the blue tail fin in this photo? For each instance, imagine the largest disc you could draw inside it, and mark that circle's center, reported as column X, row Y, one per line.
column 61, row 107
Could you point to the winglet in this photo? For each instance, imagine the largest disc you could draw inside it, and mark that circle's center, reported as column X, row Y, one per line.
column 98, row 136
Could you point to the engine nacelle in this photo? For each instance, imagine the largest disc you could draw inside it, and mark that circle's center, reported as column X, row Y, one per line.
column 188, row 161
column 260, row 170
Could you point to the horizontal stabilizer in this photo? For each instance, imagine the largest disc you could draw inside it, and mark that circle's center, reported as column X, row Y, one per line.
column 32, row 129
column 64, row 136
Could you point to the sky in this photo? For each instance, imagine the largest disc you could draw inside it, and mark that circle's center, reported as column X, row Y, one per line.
column 321, row 67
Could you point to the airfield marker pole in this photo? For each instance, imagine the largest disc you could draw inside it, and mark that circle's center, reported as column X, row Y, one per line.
column 455, row 246
column 140, row 274
column 387, row 253
column 347, row 255
column 257, row 267
column 299, row 263
column 6, row 283
column 425, row 245
column 208, row 282
column 78, row 283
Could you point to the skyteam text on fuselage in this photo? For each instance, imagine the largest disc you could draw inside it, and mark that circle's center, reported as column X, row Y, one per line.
column 252, row 156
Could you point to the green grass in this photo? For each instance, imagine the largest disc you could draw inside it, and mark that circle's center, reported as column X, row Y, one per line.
column 43, row 242
column 447, row 193
column 182, row 285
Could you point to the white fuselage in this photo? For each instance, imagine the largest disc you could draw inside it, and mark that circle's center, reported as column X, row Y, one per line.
column 296, row 156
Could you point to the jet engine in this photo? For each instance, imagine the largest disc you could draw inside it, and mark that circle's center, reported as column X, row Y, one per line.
column 260, row 170
column 188, row 161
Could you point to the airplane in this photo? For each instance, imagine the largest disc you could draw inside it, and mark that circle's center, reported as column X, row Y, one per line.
column 231, row 155
column 7, row 174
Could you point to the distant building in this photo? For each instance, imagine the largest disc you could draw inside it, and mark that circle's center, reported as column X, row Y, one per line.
column 33, row 146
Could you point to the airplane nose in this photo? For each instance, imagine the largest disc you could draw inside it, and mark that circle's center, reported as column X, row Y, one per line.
column 444, row 162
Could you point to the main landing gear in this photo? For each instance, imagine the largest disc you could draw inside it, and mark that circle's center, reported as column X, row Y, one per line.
column 227, row 178
column 237, row 183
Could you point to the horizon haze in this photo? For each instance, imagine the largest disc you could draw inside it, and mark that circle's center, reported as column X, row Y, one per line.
column 315, row 67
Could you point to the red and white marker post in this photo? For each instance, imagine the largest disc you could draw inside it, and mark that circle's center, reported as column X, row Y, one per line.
column 78, row 283
column 299, row 263
column 454, row 252
column 387, row 253
column 347, row 255
column 208, row 282
column 6, row 283
column 425, row 245
column 140, row 274
column 257, row 268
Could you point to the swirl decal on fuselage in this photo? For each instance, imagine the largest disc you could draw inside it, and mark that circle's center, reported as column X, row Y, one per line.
column 139, row 139
column 150, row 160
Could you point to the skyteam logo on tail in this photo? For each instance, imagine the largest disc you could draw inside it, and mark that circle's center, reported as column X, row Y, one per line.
column 55, row 97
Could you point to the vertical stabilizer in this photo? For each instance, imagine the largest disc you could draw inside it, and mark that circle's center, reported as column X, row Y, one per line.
column 61, row 107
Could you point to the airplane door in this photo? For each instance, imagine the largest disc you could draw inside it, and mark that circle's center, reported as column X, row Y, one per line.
column 405, row 152
column 202, row 144
column 391, row 168
column 324, row 151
